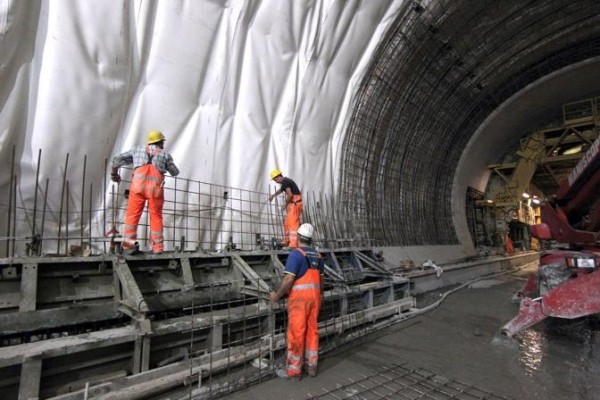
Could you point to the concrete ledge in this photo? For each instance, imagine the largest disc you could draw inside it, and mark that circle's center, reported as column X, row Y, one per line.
column 455, row 273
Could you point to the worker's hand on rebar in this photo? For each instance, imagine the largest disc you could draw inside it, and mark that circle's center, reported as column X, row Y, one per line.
column 115, row 177
column 273, row 298
column 271, row 197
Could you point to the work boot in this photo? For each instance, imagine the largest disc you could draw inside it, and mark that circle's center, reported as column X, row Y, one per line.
column 132, row 249
column 283, row 374
column 312, row 372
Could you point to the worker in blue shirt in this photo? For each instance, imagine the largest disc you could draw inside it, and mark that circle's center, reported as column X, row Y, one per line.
column 302, row 279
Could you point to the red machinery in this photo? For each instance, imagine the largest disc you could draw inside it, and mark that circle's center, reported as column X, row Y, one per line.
column 567, row 283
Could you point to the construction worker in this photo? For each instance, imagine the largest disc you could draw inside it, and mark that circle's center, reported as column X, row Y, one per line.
column 293, row 204
column 150, row 163
column 302, row 279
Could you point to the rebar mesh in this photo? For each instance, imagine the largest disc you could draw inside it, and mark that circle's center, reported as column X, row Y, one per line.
column 440, row 71
column 197, row 216
column 405, row 382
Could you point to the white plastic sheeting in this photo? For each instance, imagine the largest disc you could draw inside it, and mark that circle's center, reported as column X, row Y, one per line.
column 238, row 87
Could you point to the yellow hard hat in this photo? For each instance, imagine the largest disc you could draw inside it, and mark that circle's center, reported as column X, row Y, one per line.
column 275, row 173
column 155, row 136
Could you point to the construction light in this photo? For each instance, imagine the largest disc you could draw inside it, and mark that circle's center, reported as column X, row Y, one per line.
column 526, row 195
column 573, row 150
column 536, row 201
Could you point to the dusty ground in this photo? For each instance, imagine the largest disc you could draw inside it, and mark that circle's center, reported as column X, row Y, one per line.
column 459, row 340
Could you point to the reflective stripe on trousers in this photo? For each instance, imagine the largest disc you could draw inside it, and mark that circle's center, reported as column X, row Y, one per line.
column 146, row 184
column 304, row 304
column 292, row 221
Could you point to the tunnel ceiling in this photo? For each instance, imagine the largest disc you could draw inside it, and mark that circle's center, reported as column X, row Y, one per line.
column 442, row 69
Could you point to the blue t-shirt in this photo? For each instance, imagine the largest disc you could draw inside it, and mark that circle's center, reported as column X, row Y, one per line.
column 297, row 263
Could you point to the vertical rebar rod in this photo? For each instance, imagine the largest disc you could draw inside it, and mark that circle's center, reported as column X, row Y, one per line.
column 280, row 213
column 44, row 215
column 147, row 241
column 14, row 225
column 210, row 356
column 333, row 224
column 174, row 214
column 62, row 198
column 186, row 217
column 67, row 218
column 199, row 224
column 241, row 216
column 229, row 335
column 90, row 215
column 191, row 355
column 239, row 208
column 104, row 185
column 82, row 197
column 270, row 219
column 10, row 199
column 37, row 184
column 319, row 219
column 113, row 209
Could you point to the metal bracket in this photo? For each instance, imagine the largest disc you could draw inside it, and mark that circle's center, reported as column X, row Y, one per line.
column 257, row 285
column 132, row 300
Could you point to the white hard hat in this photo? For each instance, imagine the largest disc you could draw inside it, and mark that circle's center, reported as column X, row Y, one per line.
column 306, row 231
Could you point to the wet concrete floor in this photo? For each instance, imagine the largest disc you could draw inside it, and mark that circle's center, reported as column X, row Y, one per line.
column 460, row 340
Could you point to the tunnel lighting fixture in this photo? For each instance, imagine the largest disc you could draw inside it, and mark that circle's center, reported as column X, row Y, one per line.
column 490, row 201
column 573, row 150
column 536, row 201
column 526, row 195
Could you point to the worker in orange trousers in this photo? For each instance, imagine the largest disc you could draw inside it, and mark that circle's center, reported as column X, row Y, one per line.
column 302, row 280
column 150, row 163
column 293, row 203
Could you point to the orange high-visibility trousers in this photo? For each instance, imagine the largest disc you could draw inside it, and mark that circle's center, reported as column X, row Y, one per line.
column 146, row 185
column 304, row 304
column 292, row 221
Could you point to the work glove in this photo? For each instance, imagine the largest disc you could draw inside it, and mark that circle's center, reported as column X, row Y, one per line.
column 115, row 177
